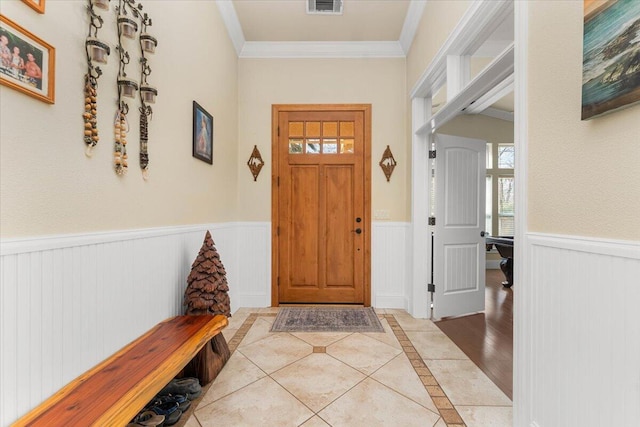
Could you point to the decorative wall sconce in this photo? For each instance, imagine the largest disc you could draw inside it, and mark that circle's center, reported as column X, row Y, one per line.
column 97, row 51
column 148, row 94
column 127, row 26
column 127, row 87
column 148, row 43
column 388, row 163
column 255, row 163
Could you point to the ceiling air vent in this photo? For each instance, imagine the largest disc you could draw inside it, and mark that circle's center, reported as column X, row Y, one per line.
column 324, row 7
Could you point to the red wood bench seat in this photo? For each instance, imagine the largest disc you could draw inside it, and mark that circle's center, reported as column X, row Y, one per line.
column 114, row 391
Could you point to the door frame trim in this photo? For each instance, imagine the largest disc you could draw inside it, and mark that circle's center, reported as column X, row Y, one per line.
column 275, row 196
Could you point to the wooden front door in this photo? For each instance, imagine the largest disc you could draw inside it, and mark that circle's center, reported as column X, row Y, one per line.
column 321, row 204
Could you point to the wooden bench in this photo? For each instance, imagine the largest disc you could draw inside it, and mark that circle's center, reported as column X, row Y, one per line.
column 113, row 392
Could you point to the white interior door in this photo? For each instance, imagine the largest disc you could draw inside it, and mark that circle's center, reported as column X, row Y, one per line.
column 459, row 246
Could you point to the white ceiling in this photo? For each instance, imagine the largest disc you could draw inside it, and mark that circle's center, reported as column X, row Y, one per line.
column 288, row 21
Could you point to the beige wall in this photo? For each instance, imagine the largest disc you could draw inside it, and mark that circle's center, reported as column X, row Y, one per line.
column 438, row 20
column 380, row 82
column 584, row 176
column 48, row 186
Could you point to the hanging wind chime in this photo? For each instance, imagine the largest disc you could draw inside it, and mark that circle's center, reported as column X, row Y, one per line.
column 148, row 93
column 127, row 28
column 97, row 51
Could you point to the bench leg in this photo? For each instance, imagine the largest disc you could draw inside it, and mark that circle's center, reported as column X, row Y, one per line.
column 208, row 363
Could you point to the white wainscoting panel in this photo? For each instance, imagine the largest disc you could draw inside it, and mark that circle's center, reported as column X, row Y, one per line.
column 254, row 261
column 579, row 352
column 68, row 302
column 389, row 264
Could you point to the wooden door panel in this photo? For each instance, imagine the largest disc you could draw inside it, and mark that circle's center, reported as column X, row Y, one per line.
column 340, row 239
column 303, row 239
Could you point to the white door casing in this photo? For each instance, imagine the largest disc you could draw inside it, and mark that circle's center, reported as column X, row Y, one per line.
column 459, row 244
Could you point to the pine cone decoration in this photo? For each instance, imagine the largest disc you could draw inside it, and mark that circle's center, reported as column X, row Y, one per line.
column 207, row 285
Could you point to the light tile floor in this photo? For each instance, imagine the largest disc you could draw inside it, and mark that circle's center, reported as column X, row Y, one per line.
column 410, row 375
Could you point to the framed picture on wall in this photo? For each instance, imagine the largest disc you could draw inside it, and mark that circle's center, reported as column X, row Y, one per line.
column 202, row 134
column 611, row 56
column 37, row 5
column 27, row 63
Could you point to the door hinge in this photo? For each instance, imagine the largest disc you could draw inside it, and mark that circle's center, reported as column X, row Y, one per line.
column 432, row 220
column 431, row 287
column 278, row 281
column 278, row 182
column 278, row 130
column 277, row 230
column 432, row 154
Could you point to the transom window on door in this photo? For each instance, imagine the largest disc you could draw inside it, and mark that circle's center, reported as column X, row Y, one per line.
column 331, row 137
column 500, row 189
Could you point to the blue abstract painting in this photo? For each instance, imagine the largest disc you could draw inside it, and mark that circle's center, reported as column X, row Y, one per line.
column 611, row 56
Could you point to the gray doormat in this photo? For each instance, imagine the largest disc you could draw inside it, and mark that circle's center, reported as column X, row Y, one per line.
column 326, row 319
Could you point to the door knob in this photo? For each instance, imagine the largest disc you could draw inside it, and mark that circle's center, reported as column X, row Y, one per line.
column 483, row 233
column 357, row 230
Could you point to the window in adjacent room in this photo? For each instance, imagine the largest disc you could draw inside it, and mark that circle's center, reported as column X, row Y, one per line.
column 500, row 189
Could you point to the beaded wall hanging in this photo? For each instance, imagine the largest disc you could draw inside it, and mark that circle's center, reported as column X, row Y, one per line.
column 127, row 87
column 148, row 93
column 97, row 51
column 129, row 18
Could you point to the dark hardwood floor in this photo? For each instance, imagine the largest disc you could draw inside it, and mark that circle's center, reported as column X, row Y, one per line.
column 487, row 338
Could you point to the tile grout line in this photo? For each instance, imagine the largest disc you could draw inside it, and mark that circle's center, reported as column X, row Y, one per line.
column 242, row 331
column 448, row 412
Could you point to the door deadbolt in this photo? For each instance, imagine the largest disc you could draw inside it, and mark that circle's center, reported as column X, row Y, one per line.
column 358, row 219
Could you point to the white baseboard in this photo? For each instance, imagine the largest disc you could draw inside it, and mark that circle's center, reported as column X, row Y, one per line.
column 391, row 301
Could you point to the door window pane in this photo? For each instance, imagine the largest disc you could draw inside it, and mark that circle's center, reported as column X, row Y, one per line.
column 506, row 204
column 295, row 146
column 330, row 129
column 489, row 155
column 313, row 146
column 489, row 205
column 507, row 226
column 296, row 129
column 330, row 146
column 313, row 129
column 506, row 156
column 346, row 145
column 346, row 129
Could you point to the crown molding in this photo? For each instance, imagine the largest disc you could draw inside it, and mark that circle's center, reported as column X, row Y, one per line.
column 366, row 49
column 411, row 23
column 231, row 21
column 390, row 49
